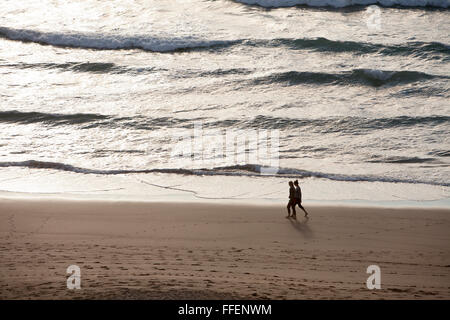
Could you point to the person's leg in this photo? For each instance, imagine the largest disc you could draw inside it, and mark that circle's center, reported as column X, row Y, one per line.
column 289, row 209
column 294, row 214
column 301, row 207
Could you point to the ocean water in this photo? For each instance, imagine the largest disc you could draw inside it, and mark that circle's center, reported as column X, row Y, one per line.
column 353, row 97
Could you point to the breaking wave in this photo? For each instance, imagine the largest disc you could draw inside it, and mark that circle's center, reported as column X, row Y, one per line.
column 424, row 50
column 109, row 42
column 235, row 170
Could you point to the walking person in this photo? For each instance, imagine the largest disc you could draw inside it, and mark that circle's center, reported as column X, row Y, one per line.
column 291, row 203
column 298, row 197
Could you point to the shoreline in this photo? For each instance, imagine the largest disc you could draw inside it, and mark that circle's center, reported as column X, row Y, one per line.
column 21, row 183
column 150, row 250
column 441, row 204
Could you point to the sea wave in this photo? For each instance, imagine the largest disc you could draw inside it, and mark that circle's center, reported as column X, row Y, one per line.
column 418, row 49
column 113, row 68
column 400, row 159
column 14, row 116
column 109, row 42
column 89, row 120
column 422, row 50
column 347, row 3
column 249, row 170
column 89, row 67
column 368, row 77
column 344, row 125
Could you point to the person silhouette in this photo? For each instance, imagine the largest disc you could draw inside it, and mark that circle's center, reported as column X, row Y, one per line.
column 291, row 203
column 298, row 197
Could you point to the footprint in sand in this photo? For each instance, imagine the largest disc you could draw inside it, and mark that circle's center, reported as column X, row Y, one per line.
column 12, row 226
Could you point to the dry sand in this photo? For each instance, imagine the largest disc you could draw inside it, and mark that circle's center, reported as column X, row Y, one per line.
column 142, row 250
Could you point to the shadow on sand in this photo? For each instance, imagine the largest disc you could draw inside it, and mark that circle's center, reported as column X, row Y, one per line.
column 302, row 227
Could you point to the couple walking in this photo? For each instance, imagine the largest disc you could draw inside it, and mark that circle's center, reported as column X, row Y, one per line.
column 295, row 198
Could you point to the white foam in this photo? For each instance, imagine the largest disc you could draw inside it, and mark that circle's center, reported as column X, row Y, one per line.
column 346, row 3
column 248, row 170
column 102, row 41
column 378, row 74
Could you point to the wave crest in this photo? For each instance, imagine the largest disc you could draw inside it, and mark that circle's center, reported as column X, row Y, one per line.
column 109, row 42
column 368, row 77
column 323, row 125
column 423, row 50
column 15, row 116
column 417, row 49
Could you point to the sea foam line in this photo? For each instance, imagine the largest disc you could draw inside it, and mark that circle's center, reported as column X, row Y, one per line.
column 248, row 170
column 108, row 42
column 159, row 44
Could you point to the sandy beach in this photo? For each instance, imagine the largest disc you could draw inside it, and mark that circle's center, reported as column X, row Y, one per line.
column 147, row 250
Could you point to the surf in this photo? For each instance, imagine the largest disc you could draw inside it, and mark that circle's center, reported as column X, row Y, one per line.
column 110, row 41
column 247, row 170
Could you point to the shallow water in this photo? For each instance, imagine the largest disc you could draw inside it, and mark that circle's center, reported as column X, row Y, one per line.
column 357, row 96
